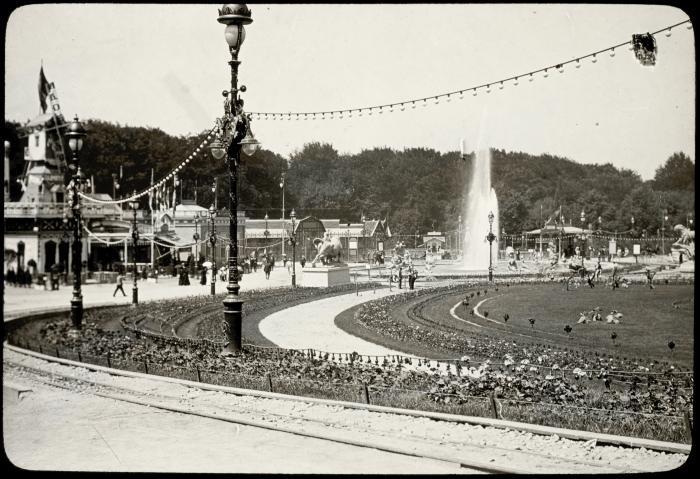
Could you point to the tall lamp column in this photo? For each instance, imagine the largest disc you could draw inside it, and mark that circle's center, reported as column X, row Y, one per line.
column 233, row 135
column 196, row 237
column 282, row 186
column 212, row 240
column 664, row 219
column 293, row 244
column 491, row 238
column 76, row 133
column 135, row 238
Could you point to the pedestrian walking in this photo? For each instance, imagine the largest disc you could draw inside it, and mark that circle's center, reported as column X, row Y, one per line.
column 412, row 277
column 650, row 277
column 267, row 268
column 120, row 285
column 203, row 277
column 303, row 261
column 598, row 270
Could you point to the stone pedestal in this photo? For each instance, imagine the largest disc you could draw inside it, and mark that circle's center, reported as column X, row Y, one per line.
column 687, row 267
column 324, row 276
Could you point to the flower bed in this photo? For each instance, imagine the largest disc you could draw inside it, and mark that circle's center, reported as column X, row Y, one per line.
column 523, row 393
column 532, row 372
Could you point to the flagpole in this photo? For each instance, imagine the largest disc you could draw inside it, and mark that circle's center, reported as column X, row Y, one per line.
column 153, row 233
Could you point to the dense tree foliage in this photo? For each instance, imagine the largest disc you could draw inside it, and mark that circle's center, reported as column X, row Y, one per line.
column 417, row 189
column 678, row 173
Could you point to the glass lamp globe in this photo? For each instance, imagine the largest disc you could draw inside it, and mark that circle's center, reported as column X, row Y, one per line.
column 217, row 149
column 235, row 35
column 249, row 144
column 76, row 132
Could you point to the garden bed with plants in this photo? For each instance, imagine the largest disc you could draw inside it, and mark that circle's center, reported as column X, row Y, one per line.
column 511, row 390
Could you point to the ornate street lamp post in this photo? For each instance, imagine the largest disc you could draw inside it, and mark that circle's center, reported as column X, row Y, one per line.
column 135, row 238
column 282, row 186
column 196, row 237
column 212, row 240
column 267, row 231
column 664, row 219
column 491, row 238
column 293, row 243
column 233, row 135
column 76, row 133
column 459, row 236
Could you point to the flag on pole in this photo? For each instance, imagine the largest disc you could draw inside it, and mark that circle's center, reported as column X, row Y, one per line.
column 175, row 183
column 554, row 216
column 44, row 89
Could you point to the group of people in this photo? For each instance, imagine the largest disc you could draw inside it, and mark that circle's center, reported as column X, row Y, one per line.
column 21, row 277
column 412, row 276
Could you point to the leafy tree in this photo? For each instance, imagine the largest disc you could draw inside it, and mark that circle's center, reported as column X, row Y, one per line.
column 678, row 173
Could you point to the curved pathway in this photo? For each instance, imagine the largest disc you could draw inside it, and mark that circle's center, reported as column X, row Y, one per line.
column 312, row 325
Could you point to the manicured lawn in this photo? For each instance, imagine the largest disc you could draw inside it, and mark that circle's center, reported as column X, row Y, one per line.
column 650, row 319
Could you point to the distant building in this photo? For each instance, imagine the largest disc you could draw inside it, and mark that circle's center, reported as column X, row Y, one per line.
column 358, row 239
column 36, row 231
column 433, row 243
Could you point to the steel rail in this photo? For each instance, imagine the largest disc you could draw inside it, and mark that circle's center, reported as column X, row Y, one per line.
column 119, row 393
column 498, row 423
column 127, row 395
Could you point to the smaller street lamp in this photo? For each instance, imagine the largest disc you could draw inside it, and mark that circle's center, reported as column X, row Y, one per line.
column 282, row 187
column 196, row 237
column 266, row 232
column 491, row 238
column 293, row 243
column 76, row 134
column 664, row 219
column 135, row 237
column 459, row 236
column 212, row 240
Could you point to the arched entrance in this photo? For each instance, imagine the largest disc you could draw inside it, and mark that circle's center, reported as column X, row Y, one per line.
column 50, row 250
column 63, row 254
column 306, row 231
column 20, row 254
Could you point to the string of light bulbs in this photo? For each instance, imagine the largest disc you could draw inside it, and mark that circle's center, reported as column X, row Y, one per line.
column 160, row 182
column 457, row 94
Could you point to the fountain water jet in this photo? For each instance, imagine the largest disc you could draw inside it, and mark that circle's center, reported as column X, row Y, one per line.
column 481, row 199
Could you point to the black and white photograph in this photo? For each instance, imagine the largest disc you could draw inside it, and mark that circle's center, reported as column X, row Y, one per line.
column 349, row 238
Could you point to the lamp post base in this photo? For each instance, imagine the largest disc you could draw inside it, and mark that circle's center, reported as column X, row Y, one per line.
column 76, row 313
column 135, row 296
column 294, row 280
column 232, row 325
column 213, row 288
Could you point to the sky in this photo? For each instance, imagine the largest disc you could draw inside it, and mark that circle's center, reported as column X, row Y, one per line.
column 165, row 66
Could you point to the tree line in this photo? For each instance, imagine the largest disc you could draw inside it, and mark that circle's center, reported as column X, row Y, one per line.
column 416, row 189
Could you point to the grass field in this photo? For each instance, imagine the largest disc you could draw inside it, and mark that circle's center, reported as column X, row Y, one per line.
column 652, row 318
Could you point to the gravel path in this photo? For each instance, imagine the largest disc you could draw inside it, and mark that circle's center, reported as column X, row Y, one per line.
column 118, row 433
column 312, row 325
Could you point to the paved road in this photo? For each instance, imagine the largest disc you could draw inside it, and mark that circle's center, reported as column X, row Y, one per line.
column 27, row 300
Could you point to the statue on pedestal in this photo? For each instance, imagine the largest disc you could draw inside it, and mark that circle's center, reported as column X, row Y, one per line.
column 327, row 249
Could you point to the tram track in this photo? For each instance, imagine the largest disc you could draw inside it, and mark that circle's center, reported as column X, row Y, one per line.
column 300, row 416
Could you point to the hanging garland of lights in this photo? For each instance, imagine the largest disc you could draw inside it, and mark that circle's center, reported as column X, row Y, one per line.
column 643, row 45
column 160, row 182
